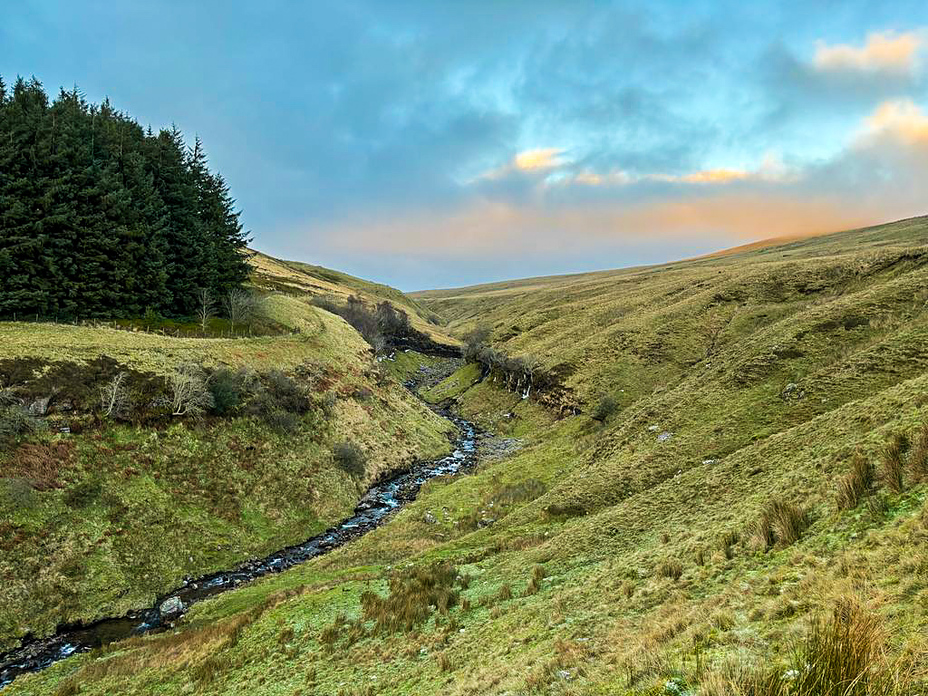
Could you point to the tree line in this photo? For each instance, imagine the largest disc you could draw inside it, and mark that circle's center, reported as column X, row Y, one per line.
column 102, row 219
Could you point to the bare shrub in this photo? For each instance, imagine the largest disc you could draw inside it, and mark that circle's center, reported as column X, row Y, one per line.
column 190, row 392
column 206, row 307
column 893, row 460
column 857, row 483
column 780, row 524
column 241, row 306
column 114, row 396
column 326, row 302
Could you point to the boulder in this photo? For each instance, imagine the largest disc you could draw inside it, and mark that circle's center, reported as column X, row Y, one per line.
column 173, row 606
column 39, row 407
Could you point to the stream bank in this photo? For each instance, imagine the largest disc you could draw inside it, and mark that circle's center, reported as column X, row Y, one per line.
column 381, row 500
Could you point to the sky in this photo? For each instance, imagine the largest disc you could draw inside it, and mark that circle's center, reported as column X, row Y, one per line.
column 444, row 143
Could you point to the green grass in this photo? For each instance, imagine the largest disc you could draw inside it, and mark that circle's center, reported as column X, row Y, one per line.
column 304, row 281
column 136, row 509
column 772, row 369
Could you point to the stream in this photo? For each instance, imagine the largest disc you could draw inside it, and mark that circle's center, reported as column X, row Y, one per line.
column 381, row 499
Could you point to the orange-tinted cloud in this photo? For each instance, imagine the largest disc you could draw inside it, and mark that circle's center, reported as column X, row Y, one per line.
column 536, row 160
column 715, row 176
column 544, row 158
column 881, row 52
column 901, row 118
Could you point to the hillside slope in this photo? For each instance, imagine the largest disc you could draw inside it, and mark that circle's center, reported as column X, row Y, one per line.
column 100, row 513
column 717, row 527
column 307, row 281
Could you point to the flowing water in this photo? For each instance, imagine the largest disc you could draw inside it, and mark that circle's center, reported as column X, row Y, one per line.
column 374, row 508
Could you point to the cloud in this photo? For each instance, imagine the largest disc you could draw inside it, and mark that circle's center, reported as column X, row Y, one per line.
column 881, row 52
column 534, row 161
column 545, row 158
column 899, row 118
column 879, row 175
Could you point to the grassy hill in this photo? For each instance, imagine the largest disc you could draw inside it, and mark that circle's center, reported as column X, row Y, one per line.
column 100, row 514
column 743, row 515
column 307, row 281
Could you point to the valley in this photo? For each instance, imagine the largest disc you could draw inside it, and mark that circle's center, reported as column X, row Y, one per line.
column 692, row 477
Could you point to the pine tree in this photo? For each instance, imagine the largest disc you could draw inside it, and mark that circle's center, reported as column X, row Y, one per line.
column 101, row 218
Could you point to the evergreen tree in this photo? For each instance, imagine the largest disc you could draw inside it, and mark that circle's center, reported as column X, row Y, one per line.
column 100, row 218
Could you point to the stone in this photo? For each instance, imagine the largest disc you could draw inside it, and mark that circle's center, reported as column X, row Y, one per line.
column 173, row 606
column 664, row 436
column 39, row 407
column 430, row 518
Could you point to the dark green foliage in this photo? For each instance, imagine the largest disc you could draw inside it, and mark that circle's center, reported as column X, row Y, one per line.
column 606, row 406
column 278, row 400
column 350, row 458
column 556, row 511
column 83, row 493
column 226, row 388
column 19, row 493
column 99, row 219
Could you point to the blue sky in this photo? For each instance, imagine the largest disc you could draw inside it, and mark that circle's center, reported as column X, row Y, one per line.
column 430, row 144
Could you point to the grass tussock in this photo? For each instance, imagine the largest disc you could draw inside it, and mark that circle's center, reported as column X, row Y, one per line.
column 894, row 461
column 414, row 595
column 843, row 654
column 856, row 484
column 670, row 568
column 538, row 574
column 918, row 457
column 780, row 524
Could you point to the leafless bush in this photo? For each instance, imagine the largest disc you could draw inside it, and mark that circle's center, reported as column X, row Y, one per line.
column 190, row 392
column 114, row 397
column 15, row 422
column 241, row 306
column 206, row 307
